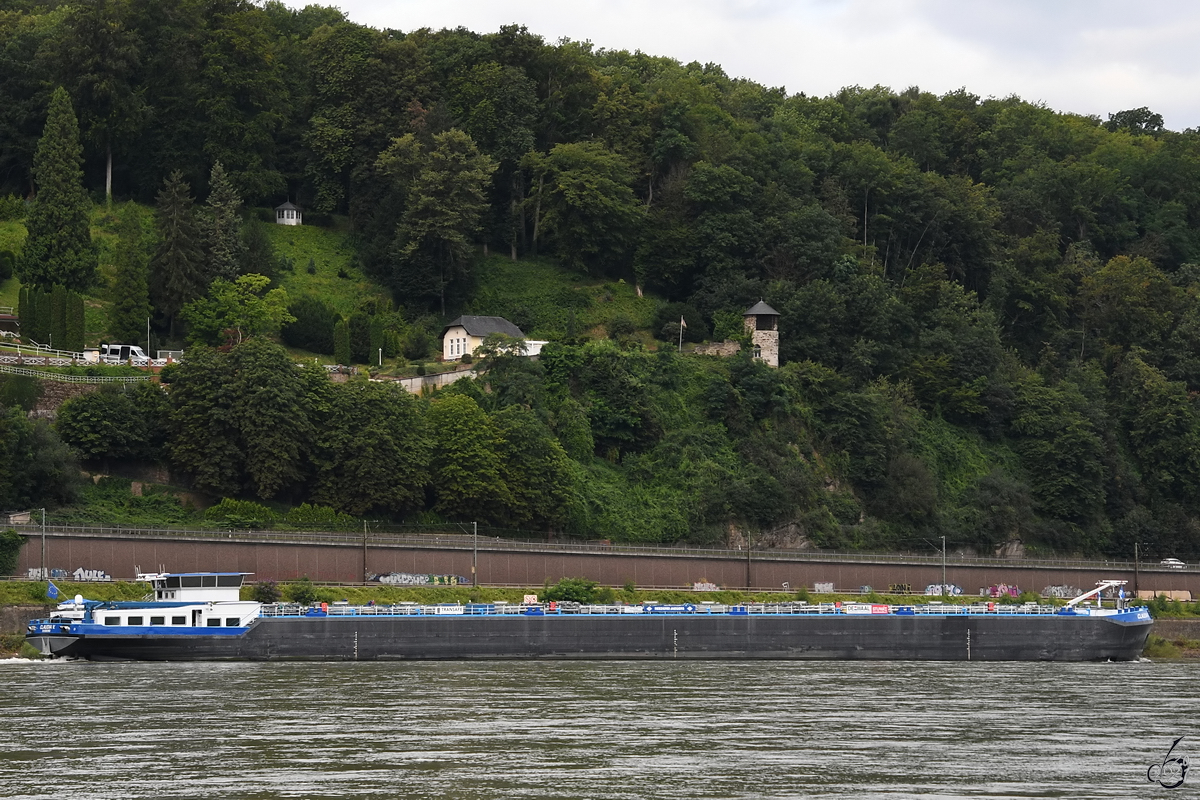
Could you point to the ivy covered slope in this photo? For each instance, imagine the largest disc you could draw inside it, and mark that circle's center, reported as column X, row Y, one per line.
column 988, row 310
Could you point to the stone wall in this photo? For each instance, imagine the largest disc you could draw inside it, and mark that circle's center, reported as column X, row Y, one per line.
column 768, row 345
column 13, row 619
column 55, row 393
column 724, row 349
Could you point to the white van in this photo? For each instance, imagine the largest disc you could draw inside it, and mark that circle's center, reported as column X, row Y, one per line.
column 121, row 354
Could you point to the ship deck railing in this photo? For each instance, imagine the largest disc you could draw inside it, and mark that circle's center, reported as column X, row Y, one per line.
column 692, row 609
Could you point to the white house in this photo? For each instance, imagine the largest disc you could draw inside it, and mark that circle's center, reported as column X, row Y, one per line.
column 467, row 333
column 288, row 214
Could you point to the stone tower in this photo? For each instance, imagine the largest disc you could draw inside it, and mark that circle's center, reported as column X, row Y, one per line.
column 762, row 323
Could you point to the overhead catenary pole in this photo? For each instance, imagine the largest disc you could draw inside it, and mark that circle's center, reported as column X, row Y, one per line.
column 944, row 590
column 1135, row 570
column 475, row 554
column 749, row 582
column 45, row 574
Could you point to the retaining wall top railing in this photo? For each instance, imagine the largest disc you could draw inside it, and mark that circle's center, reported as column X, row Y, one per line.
column 5, row 367
column 36, row 350
column 460, row 541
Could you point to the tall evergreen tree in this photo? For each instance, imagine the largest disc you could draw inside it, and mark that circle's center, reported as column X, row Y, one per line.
column 223, row 227
column 58, row 316
column 73, row 336
column 58, row 248
column 45, row 316
column 178, row 262
column 341, row 342
column 131, row 289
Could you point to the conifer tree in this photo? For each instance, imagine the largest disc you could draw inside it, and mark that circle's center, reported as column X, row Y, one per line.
column 58, row 316
column 131, row 292
column 74, row 334
column 341, row 342
column 178, row 262
column 223, row 227
column 58, row 248
column 44, row 317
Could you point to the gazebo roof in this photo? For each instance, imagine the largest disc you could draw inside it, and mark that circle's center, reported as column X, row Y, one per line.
column 761, row 309
column 287, row 206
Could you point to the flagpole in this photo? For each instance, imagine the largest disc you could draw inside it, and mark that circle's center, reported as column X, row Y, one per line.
column 681, row 324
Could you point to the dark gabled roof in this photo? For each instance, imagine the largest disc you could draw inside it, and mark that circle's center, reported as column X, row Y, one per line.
column 761, row 309
column 482, row 326
column 287, row 206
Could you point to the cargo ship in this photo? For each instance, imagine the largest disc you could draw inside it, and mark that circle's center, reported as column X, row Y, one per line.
column 200, row 617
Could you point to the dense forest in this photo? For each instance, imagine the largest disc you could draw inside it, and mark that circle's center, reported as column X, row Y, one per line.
column 990, row 311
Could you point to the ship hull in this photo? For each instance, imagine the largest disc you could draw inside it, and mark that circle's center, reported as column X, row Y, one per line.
column 881, row 637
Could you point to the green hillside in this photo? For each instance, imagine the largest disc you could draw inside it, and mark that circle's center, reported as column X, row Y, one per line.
column 988, row 310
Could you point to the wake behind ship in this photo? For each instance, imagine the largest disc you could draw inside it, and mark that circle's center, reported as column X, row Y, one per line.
column 199, row 617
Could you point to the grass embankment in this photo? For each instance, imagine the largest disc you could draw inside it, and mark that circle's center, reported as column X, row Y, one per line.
column 1161, row 647
column 541, row 298
column 34, row 593
column 335, row 278
column 104, row 224
column 12, row 236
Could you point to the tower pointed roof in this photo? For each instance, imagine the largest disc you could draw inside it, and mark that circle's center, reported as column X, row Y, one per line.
column 760, row 309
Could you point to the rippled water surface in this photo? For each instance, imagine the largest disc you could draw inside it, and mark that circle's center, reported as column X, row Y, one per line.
column 592, row 730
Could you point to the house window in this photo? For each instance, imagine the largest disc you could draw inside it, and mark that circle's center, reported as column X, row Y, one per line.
column 757, row 351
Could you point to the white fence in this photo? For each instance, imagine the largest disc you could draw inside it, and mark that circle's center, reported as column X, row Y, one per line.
column 61, row 378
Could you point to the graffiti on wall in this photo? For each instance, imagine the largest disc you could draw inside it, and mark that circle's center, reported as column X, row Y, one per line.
column 415, row 579
column 81, row 575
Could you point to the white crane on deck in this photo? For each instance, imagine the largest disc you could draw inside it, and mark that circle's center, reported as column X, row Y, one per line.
column 1100, row 587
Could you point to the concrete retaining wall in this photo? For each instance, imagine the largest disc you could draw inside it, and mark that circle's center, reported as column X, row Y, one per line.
column 122, row 556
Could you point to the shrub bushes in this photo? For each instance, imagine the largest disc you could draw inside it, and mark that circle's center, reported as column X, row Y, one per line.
column 10, row 549
column 231, row 513
column 310, row 516
column 313, row 328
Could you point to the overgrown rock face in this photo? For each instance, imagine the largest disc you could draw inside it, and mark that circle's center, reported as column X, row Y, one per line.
column 1014, row 548
column 54, row 394
column 786, row 537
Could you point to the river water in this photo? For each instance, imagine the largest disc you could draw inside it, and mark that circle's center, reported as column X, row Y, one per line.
column 532, row 730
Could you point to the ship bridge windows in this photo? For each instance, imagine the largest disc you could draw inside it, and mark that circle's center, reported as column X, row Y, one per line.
column 229, row 580
column 232, row 622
